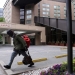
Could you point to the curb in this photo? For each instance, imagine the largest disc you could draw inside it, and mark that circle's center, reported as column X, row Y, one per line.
column 65, row 48
column 8, row 71
column 64, row 55
column 36, row 60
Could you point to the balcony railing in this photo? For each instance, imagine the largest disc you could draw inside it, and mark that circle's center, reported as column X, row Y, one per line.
column 60, row 24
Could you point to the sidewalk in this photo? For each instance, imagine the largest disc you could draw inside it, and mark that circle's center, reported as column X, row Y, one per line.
column 2, row 71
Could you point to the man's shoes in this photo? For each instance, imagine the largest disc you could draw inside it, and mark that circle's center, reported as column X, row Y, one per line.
column 31, row 65
column 7, row 66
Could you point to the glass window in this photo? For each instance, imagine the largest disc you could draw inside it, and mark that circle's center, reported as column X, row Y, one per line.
column 55, row 11
column 58, row 11
column 74, row 13
column 58, row 7
column 22, row 21
column 44, row 8
column 28, row 16
column 44, row 12
column 28, row 21
column 74, row 10
column 47, row 13
column 64, row 15
column 21, row 9
column 28, row 12
column 58, row 15
column 47, row 5
column 64, row 12
column 74, row 17
column 64, row 8
column 47, row 9
column 21, row 12
column 55, row 14
column 44, row 5
column 74, row 5
column 21, row 17
column 55, row 7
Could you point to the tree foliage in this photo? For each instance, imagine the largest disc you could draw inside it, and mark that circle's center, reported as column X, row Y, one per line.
column 0, row 37
column 2, row 19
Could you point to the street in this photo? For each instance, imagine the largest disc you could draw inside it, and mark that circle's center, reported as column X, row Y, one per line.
column 36, row 52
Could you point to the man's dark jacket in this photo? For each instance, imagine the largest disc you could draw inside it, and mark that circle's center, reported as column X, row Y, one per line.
column 19, row 43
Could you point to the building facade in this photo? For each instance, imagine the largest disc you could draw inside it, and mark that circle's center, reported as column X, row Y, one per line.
column 24, row 14
column 7, row 8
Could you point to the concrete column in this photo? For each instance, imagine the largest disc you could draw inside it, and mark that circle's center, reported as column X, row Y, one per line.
column 37, row 39
column 12, row 41
column 3, row 39
column 40, row 38
column 15, row 18
column 43, row 37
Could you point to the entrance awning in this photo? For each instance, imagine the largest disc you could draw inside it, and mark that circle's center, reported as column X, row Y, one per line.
column 24, row 2
column 20, row 27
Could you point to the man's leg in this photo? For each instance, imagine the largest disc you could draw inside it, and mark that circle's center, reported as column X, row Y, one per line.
column 11, row 60
column 14, row 54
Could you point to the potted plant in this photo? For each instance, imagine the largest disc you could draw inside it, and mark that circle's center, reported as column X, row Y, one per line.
column 62, row 43
column 53, row 42
column 49, row 43
column 0, row 39
column 74, row 44
column 57, row 43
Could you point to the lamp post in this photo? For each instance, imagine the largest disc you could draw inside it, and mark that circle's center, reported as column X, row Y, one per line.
column 69, row 37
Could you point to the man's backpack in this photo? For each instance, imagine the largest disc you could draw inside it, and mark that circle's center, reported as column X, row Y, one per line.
column 27, row 39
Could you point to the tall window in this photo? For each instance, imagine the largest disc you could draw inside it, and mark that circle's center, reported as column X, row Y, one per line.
column 74, row 11
column 22, row 16
column 38, row 9
column 46, row 10
column 28, row 16
column 57, row 12
column 65, row 12
column 28, row 12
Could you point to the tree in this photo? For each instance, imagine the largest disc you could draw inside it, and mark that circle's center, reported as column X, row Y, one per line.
column 0, row 38
column 2, row 19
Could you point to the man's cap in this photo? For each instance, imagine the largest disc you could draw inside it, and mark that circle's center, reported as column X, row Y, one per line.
column 10, row 33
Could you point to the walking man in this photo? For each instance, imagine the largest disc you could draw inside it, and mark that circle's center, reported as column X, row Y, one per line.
column 20, row 47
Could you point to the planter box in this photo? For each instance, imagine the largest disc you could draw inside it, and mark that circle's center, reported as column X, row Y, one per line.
column 56, row 44
column 49, row 43
column 61, row 44
column 52, row 43
column 74, row 45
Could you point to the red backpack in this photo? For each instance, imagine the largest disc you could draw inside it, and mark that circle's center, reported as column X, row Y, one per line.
column 27, row 39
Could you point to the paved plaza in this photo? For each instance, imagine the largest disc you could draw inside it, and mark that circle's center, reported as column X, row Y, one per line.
column 36, row 52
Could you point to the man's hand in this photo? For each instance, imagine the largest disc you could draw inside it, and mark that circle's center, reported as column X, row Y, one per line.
column 26, row 48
